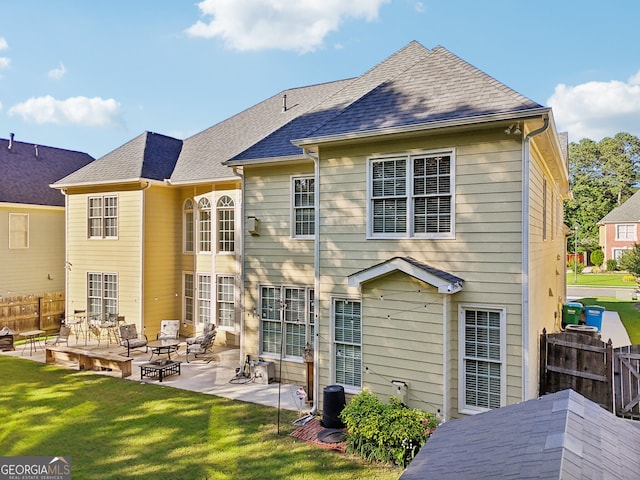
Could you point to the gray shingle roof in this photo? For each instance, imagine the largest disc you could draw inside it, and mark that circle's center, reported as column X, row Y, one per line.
column 150, row 156
column 202, row 155
column 25, row 177
column 562, row 436
column 629, row 211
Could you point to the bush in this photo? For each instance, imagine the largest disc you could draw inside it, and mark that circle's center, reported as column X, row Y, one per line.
column 573, row 264
column 612, row 265
column 389, row 433
column 597, row 257
column 630, row 261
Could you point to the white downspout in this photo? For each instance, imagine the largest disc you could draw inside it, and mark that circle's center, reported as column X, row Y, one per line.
column 316, row 277
column 526, row 162
column 142, row 249
column 236, row 170
column 446, row 305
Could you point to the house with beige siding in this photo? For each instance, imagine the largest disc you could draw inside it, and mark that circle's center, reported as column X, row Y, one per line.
column 32, row 216
column 400, row 232
column 619, row 230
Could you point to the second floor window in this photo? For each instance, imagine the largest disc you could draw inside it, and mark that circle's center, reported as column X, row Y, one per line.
column 226, row 224
column 412, row 196
column 204, row 225
column 103, row 216
column 18, row 230
column 303, row 209
column 188, row 226
column 626, row 232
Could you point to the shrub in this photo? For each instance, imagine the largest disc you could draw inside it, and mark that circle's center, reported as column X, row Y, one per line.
column 630, row 261
column 573, row 264
column 389, row 433
column 612, row 265
column 597, row 257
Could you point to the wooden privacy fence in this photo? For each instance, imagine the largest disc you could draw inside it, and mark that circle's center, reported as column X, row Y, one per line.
column 579, row 361
column 626, row 369
column 32, row 312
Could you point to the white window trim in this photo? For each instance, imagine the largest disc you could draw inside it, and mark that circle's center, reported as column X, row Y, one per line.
column 11, row 230
column 502, row 310
column 350, row 389
column 104, row 217
column 185, row 321
column 212, row 221
column 292, row 184
column 634, row 228
column 410, row 219
column 234, row 325
column 193, row 212
column 217, row 225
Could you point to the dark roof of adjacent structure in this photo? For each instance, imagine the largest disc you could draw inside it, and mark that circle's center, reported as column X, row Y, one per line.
column 629, row 211
column 561, row 436
column 27, row 170
column 149, row 156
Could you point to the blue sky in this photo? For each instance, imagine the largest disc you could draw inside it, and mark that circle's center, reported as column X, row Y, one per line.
column 91, row 75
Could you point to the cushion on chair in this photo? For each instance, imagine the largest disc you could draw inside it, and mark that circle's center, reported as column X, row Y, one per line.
column 169, row 329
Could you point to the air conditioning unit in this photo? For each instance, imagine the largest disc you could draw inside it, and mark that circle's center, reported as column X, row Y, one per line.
column 263, row 372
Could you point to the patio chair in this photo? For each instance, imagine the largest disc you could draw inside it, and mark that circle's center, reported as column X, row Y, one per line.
column 169, row 330
column 201, row 347
column 198, row 339
column 129, row 338
column 61, row 337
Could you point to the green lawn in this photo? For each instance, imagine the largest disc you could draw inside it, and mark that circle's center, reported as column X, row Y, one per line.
column 628, row 311
column 600, row 280
column 117, row 428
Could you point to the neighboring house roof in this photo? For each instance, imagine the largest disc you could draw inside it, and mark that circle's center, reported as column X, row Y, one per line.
column 561, row 435
column 443, row 281
column 149, row 156
column 629, row 211
column 27, row 170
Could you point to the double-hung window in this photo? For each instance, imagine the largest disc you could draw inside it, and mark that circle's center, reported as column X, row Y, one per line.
column 626, row 232
column 102, row 295
column 188, row 225
column 347, row 338
column 102, row 216
column 412, row 196
column 289, row 310
column 18, row 230
column 482, row 373
column 189, row 300
column 226, row 224
column 226, row 301
column 204, row 225
column 303, row 207
column 204, row 298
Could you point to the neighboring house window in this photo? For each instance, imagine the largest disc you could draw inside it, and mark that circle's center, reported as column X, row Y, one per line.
column 226, row 301
column 204, row 298
column 226, row 224
column 291, row 307
column 204, row 225
column 483, row 357
column 626, row 232
column 188, row 225
column 188, row 298
column 618, row 253
column 18, row 230
column 102, row 295
column 412, row 196
column 103, row 216
column 303, row 211
column 347, row 328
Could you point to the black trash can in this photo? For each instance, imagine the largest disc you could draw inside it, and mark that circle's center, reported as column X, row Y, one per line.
column 334, row 403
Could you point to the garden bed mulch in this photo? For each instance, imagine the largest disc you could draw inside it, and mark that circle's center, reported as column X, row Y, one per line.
column 309, row 433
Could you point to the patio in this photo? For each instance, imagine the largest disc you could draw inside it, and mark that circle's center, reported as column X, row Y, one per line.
column 213, row 374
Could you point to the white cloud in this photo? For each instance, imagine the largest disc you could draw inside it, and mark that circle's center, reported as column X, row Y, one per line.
column 3, row 44
column 4, row 62
column 93, row 112
column 299, row 25
column 597, row 109
column 57, row 73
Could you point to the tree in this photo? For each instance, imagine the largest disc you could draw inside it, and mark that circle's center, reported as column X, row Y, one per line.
column 597, row 257
column 630, row 261
column 602, row 175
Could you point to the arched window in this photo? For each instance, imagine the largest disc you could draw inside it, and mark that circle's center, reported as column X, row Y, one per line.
column 204, row 225
column 188, row 225
column 226, row 224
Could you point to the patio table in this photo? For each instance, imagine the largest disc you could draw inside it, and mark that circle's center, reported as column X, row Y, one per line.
column 31, row 337
column 158, row 347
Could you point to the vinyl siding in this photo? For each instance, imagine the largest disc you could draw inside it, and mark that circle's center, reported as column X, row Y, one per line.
column 26, row 271
column 486, row 251
column 121, row 255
